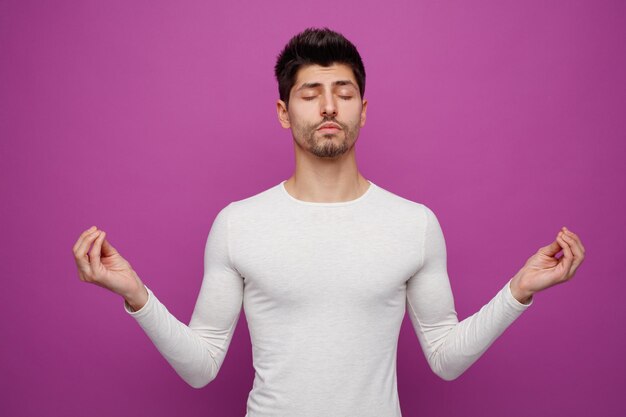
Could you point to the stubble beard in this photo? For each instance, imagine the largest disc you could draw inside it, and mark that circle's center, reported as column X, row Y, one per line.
column 328, row 145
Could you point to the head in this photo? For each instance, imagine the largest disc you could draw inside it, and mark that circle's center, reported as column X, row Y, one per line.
column 321, row 79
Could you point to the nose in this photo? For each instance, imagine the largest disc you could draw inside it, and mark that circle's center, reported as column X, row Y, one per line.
column 329, row 107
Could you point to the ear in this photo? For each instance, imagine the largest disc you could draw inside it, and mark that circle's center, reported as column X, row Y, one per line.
column 363, row 112
column 283, row 115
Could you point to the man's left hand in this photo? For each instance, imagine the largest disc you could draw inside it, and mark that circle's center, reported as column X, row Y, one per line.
column 544, row 269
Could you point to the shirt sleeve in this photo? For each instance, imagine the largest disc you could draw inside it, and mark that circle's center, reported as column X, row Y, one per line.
column 197, row 351
column 450, row 346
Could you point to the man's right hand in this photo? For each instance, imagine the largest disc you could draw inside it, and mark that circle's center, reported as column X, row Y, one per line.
column 105, row 267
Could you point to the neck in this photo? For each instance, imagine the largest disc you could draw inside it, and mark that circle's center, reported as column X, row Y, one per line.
column 326, row 180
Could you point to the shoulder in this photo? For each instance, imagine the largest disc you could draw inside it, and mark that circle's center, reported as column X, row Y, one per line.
column 402, row 206
column 252, row 206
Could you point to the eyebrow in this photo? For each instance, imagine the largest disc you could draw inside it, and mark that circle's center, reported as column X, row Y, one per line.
column 335, row 83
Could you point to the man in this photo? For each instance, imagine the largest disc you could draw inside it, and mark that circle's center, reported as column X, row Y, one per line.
column 325, row 264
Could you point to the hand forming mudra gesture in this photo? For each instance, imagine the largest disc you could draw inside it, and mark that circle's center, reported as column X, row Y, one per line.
column 105, row 267
column 544, row 269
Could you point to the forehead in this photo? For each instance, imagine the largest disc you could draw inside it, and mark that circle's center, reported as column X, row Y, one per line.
column 325, row 75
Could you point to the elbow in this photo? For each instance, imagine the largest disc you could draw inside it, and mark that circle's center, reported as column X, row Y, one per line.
column 200, row 380
column 444, row 370
column 448, row 376
column 199, row 383
column 196, row 385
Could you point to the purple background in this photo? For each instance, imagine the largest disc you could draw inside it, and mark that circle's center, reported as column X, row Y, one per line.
column 146, row 118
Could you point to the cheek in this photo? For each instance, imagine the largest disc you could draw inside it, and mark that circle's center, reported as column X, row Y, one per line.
column 297, row 115
column 352, row 111
column 304, row 120
column 353, row 120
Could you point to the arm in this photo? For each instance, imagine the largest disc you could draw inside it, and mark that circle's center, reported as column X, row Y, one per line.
column 450, row 346
column 197, row 351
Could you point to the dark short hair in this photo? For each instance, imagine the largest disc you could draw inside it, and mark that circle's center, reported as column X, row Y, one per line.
column 316, row 46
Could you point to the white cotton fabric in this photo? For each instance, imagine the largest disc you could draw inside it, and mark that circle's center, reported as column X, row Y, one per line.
column 325, row 287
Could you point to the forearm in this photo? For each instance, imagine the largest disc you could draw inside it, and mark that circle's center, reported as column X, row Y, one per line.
column 186, row 351
column 455, row 349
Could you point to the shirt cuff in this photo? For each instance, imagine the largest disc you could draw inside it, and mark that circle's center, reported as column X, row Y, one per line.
column 508, row 294
column 143, row 310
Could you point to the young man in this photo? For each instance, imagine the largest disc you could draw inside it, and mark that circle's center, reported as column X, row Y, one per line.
column 325, row 265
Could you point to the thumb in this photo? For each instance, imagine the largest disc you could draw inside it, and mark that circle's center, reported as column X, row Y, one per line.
column 107, row 248
column 551, row 249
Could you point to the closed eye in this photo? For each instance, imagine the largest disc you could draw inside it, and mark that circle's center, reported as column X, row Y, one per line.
column 313, row 97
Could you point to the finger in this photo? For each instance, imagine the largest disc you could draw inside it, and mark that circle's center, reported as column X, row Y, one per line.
column 94, row 254
column 551, row 249
column 81, row 254
column 577, row 246
column 576, row 238
column 83, row 245
column 82, row 236
column 576, row 250
column 108, row 249
column 567, row 258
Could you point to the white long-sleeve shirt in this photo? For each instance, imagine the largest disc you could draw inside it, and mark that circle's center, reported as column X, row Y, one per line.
column 325, row 287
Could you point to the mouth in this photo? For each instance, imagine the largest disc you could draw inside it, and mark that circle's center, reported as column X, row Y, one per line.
column 329, row 127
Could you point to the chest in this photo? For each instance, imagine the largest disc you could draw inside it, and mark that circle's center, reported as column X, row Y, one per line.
column 327, row 257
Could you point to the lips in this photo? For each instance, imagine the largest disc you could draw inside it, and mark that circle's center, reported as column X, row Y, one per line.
column 329, row 126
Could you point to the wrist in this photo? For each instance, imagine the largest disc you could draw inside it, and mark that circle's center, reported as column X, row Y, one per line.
column 137, row 299
column 520, row 293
